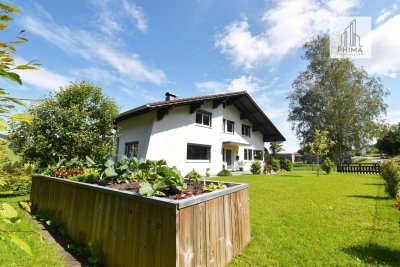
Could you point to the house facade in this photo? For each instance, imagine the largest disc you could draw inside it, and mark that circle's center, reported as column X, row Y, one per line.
column 206, row 133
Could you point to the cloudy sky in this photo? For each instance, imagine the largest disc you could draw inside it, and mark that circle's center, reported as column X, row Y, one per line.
column 138, row 50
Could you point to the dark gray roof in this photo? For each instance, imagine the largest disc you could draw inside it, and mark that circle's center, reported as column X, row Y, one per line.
column 241, row 100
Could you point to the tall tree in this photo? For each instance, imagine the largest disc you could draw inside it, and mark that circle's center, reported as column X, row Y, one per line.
column 337, row 96
column 389, row 143
column 76, row 121
column 275, row 148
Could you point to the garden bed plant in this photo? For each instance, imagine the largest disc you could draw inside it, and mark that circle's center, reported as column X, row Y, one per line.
column 146, row 177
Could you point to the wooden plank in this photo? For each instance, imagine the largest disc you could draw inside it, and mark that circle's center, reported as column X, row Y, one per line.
column 220, row 232
column 211, row 222
column 199, row 235
column 228, row 228
column 186, row 232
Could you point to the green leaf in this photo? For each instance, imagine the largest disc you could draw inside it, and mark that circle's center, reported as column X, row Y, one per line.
column 7, row 211
column 146, row 189
column 3, row 125
column 3, row 26
column 22, row 118
column 21, row 244
column 110, row 172
column 5, row 18
column 26, row 67
column 8, row 8
column 109, row 163
column 13, row 77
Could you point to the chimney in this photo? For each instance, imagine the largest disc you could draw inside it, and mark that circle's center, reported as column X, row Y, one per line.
column 169, row 96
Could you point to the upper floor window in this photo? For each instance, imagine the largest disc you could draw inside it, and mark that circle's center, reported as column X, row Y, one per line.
column 230, row 126
column 132, row 149
column 203, row 118
column 245, row 130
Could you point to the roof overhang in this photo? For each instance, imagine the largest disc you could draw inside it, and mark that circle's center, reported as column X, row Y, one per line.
column 234, row 143
column 241, row 100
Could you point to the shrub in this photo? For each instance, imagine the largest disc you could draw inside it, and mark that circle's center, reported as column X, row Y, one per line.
column 327, row 165
column 287, row 165
column 193, row 176
column 16, row 178
column 275, row 164
column 88, row 176
column 224, row 172
column 66, row 173
column 390, row 172
column 256, row 167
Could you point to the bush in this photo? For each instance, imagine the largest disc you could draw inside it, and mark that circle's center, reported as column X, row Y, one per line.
column 287, row 165
column 193, row 176
column 327, row 165
column 275, row 164
column 390, row 172
column 16, row 178
column 88, row 176
column 256, row 167
column 224, row 172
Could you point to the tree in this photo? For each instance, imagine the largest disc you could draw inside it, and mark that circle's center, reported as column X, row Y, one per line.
column 77, row 121
column 389, row 143
column 320, row 146
column 275, row 148
column 335, row 95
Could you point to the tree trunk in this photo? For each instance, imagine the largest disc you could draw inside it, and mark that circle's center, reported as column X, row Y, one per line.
column 317, row 166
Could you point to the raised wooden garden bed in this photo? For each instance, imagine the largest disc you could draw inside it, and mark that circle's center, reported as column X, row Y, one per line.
column 205, row 230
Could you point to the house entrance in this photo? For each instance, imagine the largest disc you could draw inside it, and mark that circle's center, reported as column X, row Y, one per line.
column 228, row 158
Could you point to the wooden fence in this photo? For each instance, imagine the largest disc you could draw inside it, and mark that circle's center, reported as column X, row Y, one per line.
column 206, row 230
column 368, row 168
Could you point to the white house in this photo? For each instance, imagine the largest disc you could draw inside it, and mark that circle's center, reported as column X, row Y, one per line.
column 202, row 133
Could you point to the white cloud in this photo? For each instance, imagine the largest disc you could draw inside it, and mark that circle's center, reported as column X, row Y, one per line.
column 386, row 13
column 385, row 45
column 115, row 16
column 42, row 78
column 287, row 26
column 93, row 48
column 393, row 116
column 243, row 83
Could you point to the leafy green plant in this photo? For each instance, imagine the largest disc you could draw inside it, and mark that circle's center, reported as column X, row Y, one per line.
column 256, row 167
column 224, row 172
column 67, row 173
column 287, row 165
column 16, row 178
column 88, row 176
column 327, row 165
column 193, row 176
column 390, row 172
column 275, row 164
column 213, row 186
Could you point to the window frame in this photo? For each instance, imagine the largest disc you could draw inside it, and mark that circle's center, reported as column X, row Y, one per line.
column 136, row 143
column 248, row 154
column 227, row 126
column 203, row 113
column 262, row 155
column 208, row 156
column 244, row 126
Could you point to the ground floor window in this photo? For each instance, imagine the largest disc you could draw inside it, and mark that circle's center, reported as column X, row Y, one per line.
column 248, row 154
column 198, row 152
column 258, row 154
column 132, row 149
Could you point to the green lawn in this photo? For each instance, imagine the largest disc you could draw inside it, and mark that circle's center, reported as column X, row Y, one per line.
column 43, row 253
column 298, row 219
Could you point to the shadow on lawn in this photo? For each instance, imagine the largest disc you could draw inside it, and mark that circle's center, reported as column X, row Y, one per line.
column 375, row 254
column 374, row 184
column 370, row 197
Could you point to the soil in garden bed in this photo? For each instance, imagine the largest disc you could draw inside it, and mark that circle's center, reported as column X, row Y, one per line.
column 193, row 189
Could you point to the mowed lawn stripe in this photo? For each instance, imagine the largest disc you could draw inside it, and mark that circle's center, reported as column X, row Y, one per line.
column 299, row 219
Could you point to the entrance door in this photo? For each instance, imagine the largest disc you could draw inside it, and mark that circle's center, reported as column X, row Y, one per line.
column 228, row 158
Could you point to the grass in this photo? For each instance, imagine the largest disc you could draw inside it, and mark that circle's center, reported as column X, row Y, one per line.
column 43, row 253
column 306, row 167
column 362, row 160
column 298, row 219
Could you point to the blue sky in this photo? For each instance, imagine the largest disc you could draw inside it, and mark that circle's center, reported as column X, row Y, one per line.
column 138, row 50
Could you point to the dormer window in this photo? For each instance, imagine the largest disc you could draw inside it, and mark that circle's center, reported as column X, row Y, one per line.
column 203, row 118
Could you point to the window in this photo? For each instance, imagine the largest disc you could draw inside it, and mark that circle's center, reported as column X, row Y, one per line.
column 230, row 126
column 203, row 118
column 223, row 125
column 223, row 154
column 258, row 154
column 248, row 154
column 245, row 130
column 198, row 152
column 132, row 149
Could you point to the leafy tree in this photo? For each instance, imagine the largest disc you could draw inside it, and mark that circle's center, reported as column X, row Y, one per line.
column 275, row 148
column 335, row 95
column 320, row 146
column 389, row 143
column 327, row 165
column 76, row 121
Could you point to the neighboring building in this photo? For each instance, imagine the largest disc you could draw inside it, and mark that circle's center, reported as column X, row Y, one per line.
column 207, row 132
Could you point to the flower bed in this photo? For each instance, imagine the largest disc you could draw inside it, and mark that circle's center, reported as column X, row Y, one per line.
column 208, row 229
